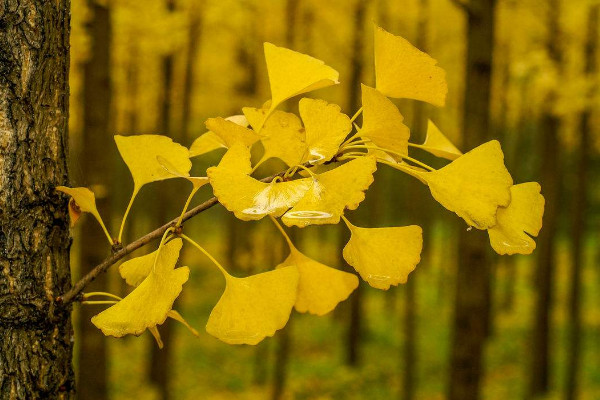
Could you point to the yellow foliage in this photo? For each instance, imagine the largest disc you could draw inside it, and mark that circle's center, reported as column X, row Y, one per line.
column 255, row 307
column 403, row 71
column 438, row 144
column 522, row 217
column 384, row 256
column 474, row 185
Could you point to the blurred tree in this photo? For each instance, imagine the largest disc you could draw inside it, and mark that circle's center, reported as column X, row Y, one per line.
column 550, row 172
column 472, row 302
column 97, row 138
column 579, row 207
column 354, row 336
column 35, row 331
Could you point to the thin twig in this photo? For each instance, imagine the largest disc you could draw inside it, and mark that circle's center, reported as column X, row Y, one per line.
column 78, row 287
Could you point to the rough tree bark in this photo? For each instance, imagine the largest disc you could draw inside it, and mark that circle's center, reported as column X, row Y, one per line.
column 35, row 331
column 550, row 181
column 580, row 202
column 92, row 374
column 471, row 312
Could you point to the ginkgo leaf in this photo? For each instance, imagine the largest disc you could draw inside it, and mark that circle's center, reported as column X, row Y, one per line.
column 403, row 71
column 231, row 133
column 255, row 307
column 149, row 303
column 382, row 122
column 320, row 288
column 522, row 217
column 84, row 201
column 474, row 185
column 331, row 192
column 210, row 141
column 140, row 153
column 246, row 197
column 134, row 271
column 438, row 144
column 282, row 134
column 384, row 256
column 292, row 73
column 326, row 128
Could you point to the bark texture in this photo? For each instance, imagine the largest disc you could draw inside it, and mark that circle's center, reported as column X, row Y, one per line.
column 97, row 139
column 35, row 331
column 472, row 303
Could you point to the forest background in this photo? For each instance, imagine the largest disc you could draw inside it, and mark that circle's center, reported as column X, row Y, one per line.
column 165, row 66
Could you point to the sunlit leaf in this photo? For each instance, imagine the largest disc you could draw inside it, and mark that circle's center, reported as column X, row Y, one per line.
column 140, row 153
column 474, row 185
column 331, row 192
column 403, row 71
column 196, row 181
column 149, row 303
column 84, row 201
column 292, row 73
column 210, row 141
column 522, row 217
column 255, row 307
column 384, row 256
column 438, row 144
column 382, row 122
column 320, row 288
column 282, row 134
column 325, row 126
column 231, row 133
column 134, row 271
column 248, row 198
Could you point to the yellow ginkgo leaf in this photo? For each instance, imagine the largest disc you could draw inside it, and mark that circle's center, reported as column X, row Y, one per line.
column 196, row 181
column 522, row 217
column 292, row 73
column 326, row 128
column 177, row 317
column 255, row 307
column 382, row 122
column 231, row 133
column 246, row 197
column 134, row 271
column 320, row 288
column 149, row 303
column 384, row 256
column 140, row 153
column 438, row 144
column 210, row 141
column 403, row 71
column 331, row 192
column 474, row 185
column 82, row 200
column 282, row 134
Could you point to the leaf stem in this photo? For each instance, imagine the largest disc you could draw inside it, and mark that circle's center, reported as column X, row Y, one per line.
column 160, row 245
column 185, row 207
column 207, row 254
column 356, row 114
column 105, row 294
column 405, row 157
column 99, row 302
column 285, row 235
column 135, row 191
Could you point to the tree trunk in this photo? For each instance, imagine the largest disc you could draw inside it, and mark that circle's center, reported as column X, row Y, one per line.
column 579, row 215
column 472, row 300
column 193, row 46
column 550, row 181
column 92, row 366
column 35, row 331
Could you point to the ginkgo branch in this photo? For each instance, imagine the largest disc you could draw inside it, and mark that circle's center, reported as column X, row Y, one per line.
column 78, row 287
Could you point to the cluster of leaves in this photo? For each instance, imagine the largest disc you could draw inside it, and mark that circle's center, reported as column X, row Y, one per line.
column 476, row 186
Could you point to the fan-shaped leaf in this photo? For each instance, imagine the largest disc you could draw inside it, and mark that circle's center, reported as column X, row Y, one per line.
column 438, row 144
column 210, row 141
column 384, row 256
column 331, row 192
column 255, row 307
column 326, row 128
column 149, row 303
column 474, row 185
column 403, row 71
column 523, row 216
column 382, row 122
column 82, row 200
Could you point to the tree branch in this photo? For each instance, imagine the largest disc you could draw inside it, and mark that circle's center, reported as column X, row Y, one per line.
column 78, row 287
